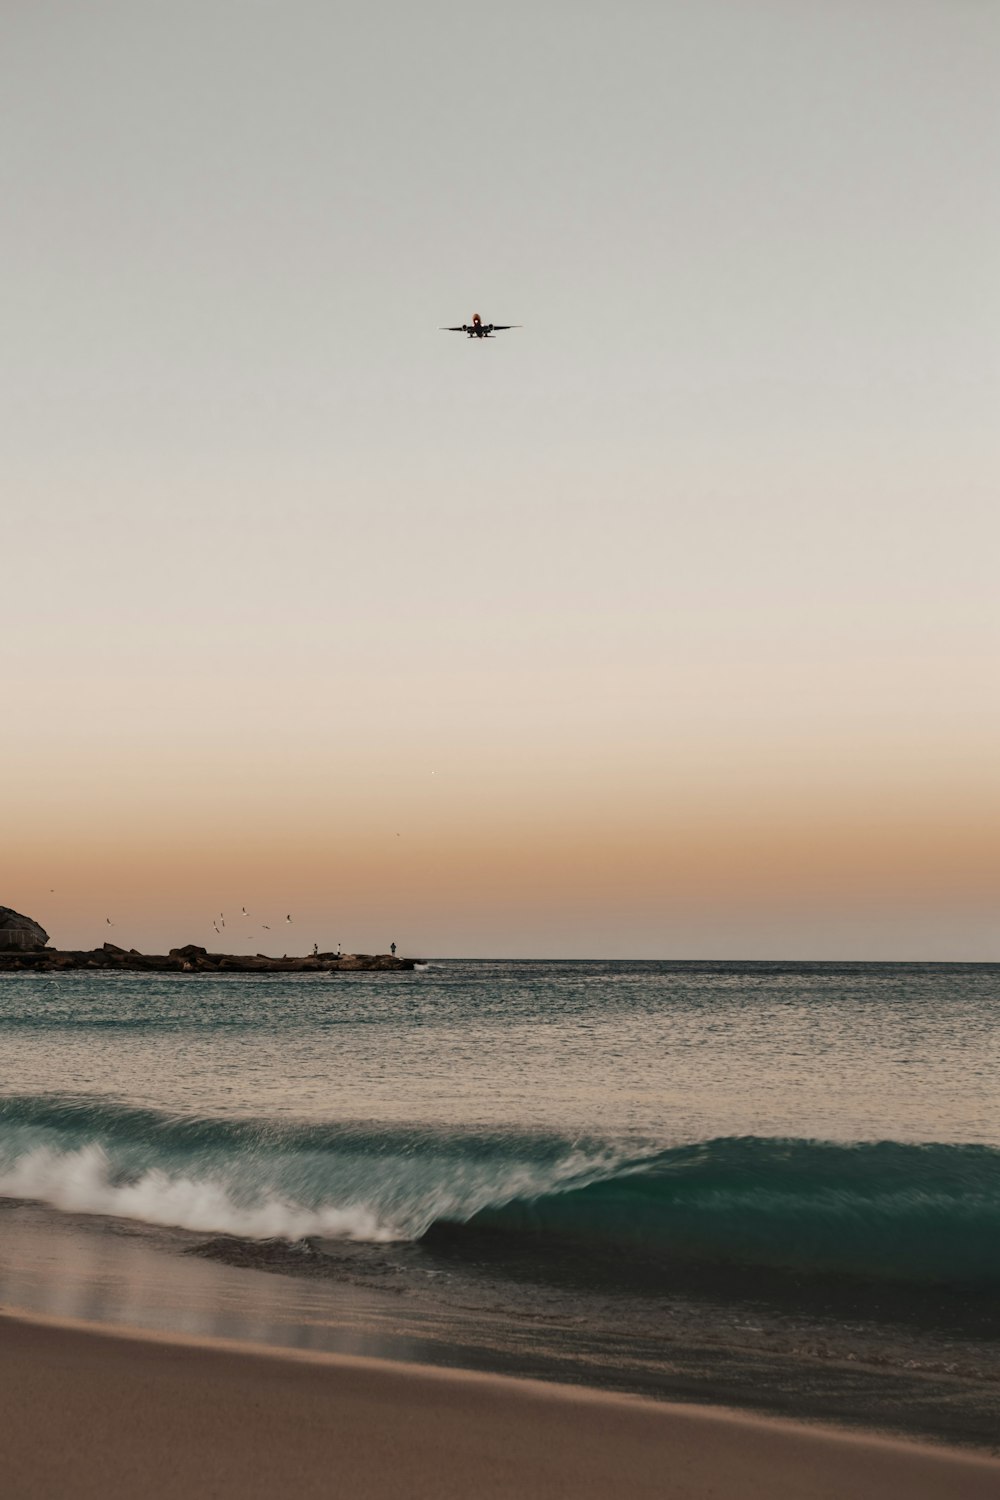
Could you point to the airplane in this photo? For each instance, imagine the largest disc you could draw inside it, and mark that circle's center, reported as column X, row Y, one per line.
column 477, row 329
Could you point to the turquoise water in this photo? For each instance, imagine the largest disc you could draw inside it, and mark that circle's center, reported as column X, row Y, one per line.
column 820, row 1119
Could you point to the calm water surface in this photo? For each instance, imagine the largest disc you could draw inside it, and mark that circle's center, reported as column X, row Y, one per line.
column 663, row 1051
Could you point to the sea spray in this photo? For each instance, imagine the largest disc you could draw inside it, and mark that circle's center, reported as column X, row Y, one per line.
column 268, row 1179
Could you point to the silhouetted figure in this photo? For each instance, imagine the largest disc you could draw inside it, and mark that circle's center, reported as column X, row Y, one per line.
column 392, row 949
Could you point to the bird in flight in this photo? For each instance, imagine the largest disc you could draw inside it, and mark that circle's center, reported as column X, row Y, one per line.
column 477, row 329
column 289, row 917
column 109, row 921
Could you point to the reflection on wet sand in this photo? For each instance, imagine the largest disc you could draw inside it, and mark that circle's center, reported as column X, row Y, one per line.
column 405, row 1304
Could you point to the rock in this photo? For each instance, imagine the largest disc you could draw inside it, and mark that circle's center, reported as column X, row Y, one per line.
column 20, row 932
column 113, row 948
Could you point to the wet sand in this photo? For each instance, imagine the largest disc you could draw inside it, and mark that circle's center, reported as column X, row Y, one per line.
column 92, row 1412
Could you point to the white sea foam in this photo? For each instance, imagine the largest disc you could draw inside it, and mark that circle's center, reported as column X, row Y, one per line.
column 80, row 1182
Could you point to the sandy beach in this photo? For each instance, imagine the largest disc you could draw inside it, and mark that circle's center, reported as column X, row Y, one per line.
column 90, row 1412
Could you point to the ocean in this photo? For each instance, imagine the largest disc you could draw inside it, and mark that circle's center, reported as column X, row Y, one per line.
column 772, row 1185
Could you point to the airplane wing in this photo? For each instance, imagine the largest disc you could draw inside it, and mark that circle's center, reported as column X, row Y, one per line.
column 499, row 327
column 453, row 328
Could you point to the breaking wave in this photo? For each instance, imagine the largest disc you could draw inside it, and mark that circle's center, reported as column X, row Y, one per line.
column 884, row 1210
column 266, row 1179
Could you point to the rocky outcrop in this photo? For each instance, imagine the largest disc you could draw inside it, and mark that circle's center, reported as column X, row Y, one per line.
column 192, row 959
column 20, row 932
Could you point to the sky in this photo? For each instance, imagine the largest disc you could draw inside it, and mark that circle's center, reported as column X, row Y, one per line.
column 664, row 626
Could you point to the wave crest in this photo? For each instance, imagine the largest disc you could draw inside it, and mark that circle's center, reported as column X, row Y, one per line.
column 882, row 1210
column 267, row 1179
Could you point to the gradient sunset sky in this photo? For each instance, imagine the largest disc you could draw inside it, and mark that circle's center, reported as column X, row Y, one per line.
column 664, row 626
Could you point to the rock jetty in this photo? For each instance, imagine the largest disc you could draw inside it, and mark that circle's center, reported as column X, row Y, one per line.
column 191, row 959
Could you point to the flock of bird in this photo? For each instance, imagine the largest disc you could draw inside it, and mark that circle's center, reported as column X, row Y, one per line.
column 219, row 922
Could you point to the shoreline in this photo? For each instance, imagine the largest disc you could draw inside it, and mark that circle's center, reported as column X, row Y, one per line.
column 445, row 1305
column 407, row 1304
column 164, row 1414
